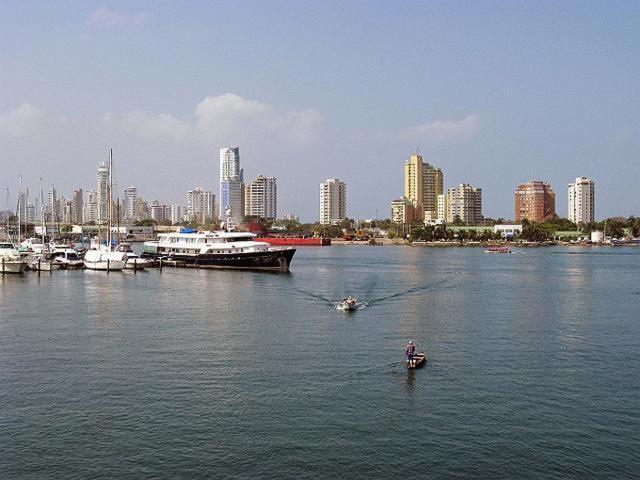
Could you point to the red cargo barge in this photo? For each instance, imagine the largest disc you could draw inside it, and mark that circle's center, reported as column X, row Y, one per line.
column 295, row 241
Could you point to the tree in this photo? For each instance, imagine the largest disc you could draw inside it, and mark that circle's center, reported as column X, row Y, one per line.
column 147, row 222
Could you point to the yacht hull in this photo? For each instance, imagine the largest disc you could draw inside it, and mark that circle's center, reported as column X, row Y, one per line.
column 12, row 266
column 268, row 260
column 107, row 265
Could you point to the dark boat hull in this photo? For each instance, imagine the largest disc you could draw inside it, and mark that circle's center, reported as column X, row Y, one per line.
column 270, row 260
column 419, row 360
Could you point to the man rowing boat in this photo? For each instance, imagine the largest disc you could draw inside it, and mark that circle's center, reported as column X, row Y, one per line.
column 409, row 352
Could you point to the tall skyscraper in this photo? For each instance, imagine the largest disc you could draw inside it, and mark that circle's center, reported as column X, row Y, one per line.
column 90, row 211
column 231, row 184
column 534, row 201
column 464, row 202
column 422, row 185
column 333, row 201
column 176, row 214
column 200, row 205
column 102, row 192
column 53, row 212
column 128, row 204
column 582, row 200
column 30, row 213
column 261, row 198
column 77, row 206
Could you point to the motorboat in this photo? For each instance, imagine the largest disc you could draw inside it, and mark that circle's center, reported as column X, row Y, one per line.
column 218, row 249
column 10, row 259
column 134, row 261
column 348, row 304
column 66, row 258
column 42, row 262
column 32, row 245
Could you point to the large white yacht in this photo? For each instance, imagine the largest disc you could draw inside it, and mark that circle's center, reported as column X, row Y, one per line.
column 219, row 249
column 10, row 259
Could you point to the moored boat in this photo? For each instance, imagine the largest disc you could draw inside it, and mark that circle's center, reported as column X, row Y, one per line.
column 134, row 261
column 218, row 250
column 10, row 259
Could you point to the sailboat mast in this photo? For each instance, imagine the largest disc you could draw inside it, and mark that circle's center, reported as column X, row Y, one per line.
column 109, row 200
column 42, row 215
column 19, row 210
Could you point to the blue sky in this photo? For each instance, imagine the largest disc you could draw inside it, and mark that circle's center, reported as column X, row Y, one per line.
column 494, row 93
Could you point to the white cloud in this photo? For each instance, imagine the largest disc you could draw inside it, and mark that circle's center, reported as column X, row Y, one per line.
column 441, row 131
column 114, row 18
column 227, row 118
column 21, row 121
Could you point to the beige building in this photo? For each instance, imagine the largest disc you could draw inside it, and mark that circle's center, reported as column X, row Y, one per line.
column 422, row 185
column 261, row 198
column 333, row 201
column 465, row 202
column 402, row 211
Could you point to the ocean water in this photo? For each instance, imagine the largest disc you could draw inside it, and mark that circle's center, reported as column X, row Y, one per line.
column 533, row 368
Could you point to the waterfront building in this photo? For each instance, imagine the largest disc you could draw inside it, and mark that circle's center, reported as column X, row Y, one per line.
column 159, row 212
column 581, row 200
column 261, row 198
column 465, row 203
column 333, row 201
column 442, row 207
column 77, row 206
column 507, row 231
column 200, row 205
column 231, row 185
column 53, row 213
column 534, row 201
column 402, row 211
column 176, row 214
column 30, row 213
column 422, row 185
column 102, row 188
column 128, row 204
column 90, row 210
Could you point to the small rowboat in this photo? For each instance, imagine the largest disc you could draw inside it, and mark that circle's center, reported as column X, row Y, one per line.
column 419, row 359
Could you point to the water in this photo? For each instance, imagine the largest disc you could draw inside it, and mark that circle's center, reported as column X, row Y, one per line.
column 534, row 361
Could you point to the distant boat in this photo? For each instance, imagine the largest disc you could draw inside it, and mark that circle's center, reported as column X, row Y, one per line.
column 497, row 250
column 348, row 304
column 418, row 361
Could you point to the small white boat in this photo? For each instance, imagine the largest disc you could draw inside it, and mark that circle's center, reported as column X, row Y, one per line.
column 42, row 262
column 134, row 261
column 104, row 259
column 10, row 259
column 66, row 258
column 348, row 304
column 32, row 245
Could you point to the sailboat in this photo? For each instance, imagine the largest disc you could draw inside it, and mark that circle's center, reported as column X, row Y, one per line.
column 99, row 256
column 42, row 260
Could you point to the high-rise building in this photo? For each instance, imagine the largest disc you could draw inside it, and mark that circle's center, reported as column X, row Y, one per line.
column 442, row 207
column 200, row 205
column 422, row 185
column 77, row 206
column 402, row 211
column 582, row 200
column 465, row 203
column 333, row 201
column 176, row 214
column 102, row 190
column 128, row 204
column 90, row 210
column 231, row 184
column 534, row 201
column 159, row 212
column 53, row 212
column 261, row 198
column 30, row 213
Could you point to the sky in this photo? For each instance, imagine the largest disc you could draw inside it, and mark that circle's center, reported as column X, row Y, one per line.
column 494, row 93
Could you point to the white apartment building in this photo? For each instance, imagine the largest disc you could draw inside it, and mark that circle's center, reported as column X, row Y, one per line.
column 200, row 205
column 261, row 198
column 231, row 184
column 176, row 214
column 333, row 201
column 465, row 202
column 581, row 200
column 102, row 191
column 128, row 204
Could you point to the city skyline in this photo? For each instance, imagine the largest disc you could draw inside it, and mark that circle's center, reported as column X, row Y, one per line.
column 550, row 102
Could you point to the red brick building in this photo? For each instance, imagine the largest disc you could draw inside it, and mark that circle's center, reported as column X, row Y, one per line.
column 534, row 201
